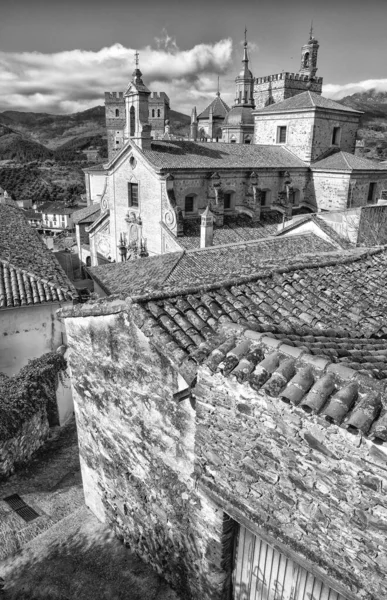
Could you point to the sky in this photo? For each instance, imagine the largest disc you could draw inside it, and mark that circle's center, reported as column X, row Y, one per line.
column 60, row 56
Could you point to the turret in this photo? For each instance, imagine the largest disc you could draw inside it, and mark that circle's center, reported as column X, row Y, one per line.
column 244, row 81
column 137, row 110
column 309, row 53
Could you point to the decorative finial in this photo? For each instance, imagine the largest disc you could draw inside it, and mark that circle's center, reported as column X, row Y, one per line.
column 136, row 58
column 245, row 35
column 311, row 30
column 218, row 92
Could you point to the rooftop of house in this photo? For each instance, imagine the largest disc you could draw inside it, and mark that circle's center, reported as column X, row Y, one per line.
column 235, row 229
column 337, row 297
column 306, row 100
column 19, row 287
column 22, row 247
column 219, row 109
column 331, row 393
column 205, row 265
column 58, row 208
column 344, row 161
column 326, row 229
column 87, row 214
column 173, row 155
column 32, row 214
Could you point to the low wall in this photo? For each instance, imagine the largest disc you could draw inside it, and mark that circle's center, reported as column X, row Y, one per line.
column 20, row 448
column 28, row 407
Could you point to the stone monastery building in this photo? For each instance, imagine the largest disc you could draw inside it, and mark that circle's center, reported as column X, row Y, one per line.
column 230, row 389
column 297, row 156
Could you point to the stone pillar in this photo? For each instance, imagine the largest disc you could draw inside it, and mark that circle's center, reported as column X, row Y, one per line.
column 207, row 229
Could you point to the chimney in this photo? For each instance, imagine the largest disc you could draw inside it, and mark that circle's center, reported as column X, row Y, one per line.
column 194, row 125
column 207, row 229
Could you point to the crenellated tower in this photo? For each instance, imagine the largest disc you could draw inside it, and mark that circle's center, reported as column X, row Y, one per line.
column 275, row 88
column 115, row 121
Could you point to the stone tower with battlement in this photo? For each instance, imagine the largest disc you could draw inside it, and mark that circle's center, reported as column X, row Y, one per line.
column 158, row 113
column 275, row 88
column 115, row 115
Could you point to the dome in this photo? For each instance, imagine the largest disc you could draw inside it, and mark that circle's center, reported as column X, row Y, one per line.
column 245, row 73
column 239, row 115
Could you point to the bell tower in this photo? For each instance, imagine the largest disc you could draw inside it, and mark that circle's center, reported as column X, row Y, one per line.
column 309, row 53
column 244, row 89
column 137, row 95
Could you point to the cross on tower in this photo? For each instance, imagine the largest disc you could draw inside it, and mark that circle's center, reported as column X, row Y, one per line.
column 311, row 30
column 245, row 35
column 136, row 55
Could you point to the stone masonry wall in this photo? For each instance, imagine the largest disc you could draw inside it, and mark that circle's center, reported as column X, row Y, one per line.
column 276, row 88
column 315, row 488
column 136, row 447
column 20, row 448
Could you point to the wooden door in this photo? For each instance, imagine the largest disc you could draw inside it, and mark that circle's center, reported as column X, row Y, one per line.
column 263, row 573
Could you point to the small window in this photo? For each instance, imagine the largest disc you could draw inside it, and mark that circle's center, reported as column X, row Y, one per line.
column 117, row 142
column 371, row 193
column 247, row 141
column 189, row 204
column 233, row 141
column 158, row 112
column 263, row 197
column 227, row 200
column 133, row 195
column 336, row 136
column 117, row 112
column 153, row 113
column 281, row 135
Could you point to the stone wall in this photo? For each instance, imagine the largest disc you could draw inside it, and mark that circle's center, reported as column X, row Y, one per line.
column 309, row 133
column 20, row 448
column 316, row 489
column 137, row 452
column 275, row 88
column 331, row 190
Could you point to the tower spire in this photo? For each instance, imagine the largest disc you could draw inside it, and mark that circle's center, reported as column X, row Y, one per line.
column 218, row 90
column 311, row 30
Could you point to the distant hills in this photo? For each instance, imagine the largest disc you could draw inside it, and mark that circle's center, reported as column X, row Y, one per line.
column 41, row 154
column 373, row 123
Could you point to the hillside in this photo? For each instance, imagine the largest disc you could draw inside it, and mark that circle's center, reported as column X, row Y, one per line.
column 373, row 123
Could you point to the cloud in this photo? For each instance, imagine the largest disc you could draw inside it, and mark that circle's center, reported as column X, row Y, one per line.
column 336, row 92
column 75, row 80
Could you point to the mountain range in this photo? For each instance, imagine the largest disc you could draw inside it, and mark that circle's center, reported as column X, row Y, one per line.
column 51, row 145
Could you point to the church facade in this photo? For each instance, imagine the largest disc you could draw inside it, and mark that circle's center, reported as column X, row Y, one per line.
column 300, row 157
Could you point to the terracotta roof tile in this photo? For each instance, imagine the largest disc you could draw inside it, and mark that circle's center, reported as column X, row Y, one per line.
column 306, row 100
column 204, row 265
column 20, row 288
column 22, row 247
column 344, row 161
column 336, row 307
column 219, row 108
column 87, row 214
column 347, row 399
column 217, row 155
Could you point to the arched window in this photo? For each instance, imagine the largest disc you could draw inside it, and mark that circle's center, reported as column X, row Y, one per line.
column 306, row 60
column 88, row 261
column 132, row 121
column 227, row 200
column 158, row 112
column 153, row 113
column 189, row 203
column 117, row 112
column 248, row 140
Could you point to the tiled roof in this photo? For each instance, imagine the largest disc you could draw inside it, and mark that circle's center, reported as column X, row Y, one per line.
column 100, row 167
column 58, row 208
column 32, row 214
column 303, row 101
column 339, row 396
column 20, row 288
column 204, row 265
column 220, row 109
column 235, row 229
column 219, row 156
column 344, row 161
column 87, row 214
column 340, row 296
column 339, row 241
column 22, row 247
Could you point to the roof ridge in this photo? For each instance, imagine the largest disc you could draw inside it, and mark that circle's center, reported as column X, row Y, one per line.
column 264, row 272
